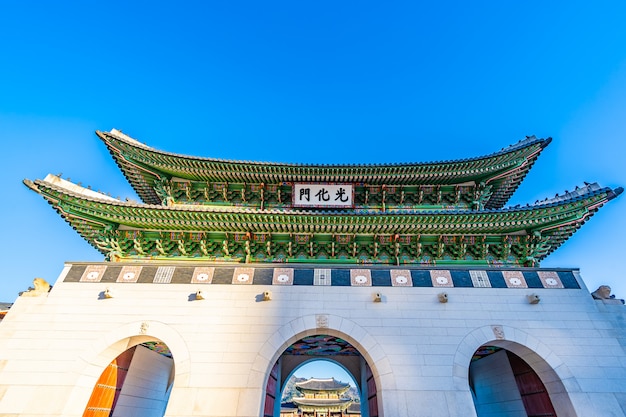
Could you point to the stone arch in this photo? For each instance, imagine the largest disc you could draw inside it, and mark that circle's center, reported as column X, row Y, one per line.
column 316, row 324
column 555, row 375
column 106, row 348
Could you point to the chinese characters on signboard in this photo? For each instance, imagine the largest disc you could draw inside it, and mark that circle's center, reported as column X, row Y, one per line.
column 323, row 195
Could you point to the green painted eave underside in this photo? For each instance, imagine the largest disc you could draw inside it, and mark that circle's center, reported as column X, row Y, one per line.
column 503, row 170
column 521, row 236
column 198, row 218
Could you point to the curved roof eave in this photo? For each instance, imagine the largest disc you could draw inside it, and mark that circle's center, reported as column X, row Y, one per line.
column 142, row 165
column 322, row 384
column 89, row 213
column 74, row 190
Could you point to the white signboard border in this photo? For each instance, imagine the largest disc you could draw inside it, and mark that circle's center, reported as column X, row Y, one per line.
column 340, row 195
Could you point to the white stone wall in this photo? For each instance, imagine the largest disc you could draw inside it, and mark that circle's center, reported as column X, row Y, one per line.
column 53, row 348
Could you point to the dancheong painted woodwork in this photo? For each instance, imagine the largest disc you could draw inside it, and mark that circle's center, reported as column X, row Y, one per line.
column 159, row 177
column 201, row 209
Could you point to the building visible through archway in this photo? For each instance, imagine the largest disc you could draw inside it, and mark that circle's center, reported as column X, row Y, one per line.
column 321, row 397
column 328, row 347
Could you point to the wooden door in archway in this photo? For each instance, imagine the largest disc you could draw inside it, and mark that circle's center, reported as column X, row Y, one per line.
column 533, row 392
column 372, row 396
column 108, row 387
column 270, row 392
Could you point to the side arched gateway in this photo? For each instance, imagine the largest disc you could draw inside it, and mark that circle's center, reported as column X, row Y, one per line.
column 507, row 378
column 504, row 384
column 131, row 369
column 138, row 381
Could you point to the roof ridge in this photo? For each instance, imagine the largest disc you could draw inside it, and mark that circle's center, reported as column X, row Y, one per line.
column 527, row 141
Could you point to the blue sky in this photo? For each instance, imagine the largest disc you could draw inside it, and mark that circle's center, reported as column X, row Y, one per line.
column 324, row 369
column 322, row 82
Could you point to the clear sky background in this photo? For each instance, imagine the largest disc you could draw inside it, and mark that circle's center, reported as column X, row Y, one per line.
column 324, row 369
column 309, row 81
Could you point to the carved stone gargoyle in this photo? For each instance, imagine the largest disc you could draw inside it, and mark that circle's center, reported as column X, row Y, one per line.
column 604, row 293
column 40, row 287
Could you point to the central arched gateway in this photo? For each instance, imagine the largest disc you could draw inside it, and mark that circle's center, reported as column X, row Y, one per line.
column 333, row 348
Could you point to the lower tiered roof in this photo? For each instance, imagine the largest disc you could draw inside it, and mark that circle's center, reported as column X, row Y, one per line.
column 124, row 230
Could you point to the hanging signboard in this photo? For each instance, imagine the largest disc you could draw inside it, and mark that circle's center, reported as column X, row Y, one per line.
column 323, row 195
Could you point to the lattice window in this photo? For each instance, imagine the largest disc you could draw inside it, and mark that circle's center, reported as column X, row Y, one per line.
column 321, row 277
column 164, row 275
column 480, row 279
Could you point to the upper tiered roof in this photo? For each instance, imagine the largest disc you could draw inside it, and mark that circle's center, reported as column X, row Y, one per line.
column 499, row 173
column 322, row 384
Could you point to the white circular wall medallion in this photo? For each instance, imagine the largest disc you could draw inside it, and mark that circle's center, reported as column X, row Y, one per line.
column 243, row 277
column 282, row 278
column 515, row 281
column 93, row 275
column 202, row 276
column 360, row 279
column 128, row 276
column 442, row 280
column 551, row 281
column 401, row 279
